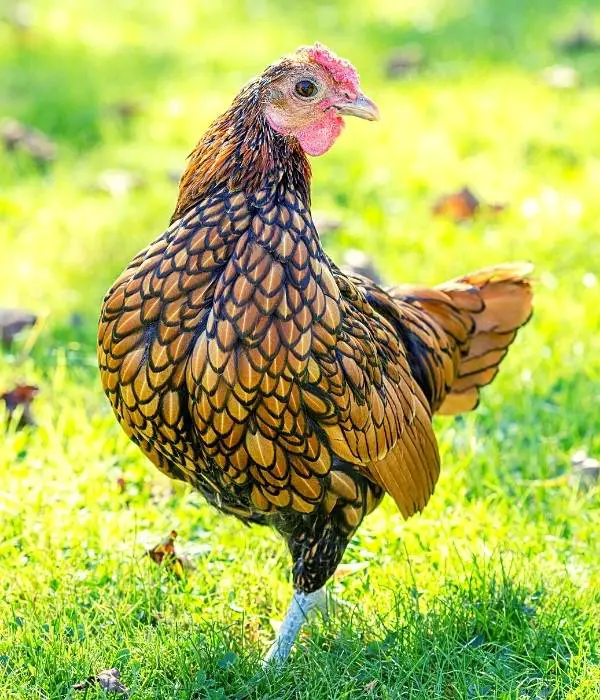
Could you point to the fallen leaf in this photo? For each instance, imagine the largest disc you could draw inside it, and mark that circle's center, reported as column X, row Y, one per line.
column 405, row 60
column 17, row 136
column 12, row 322
column 357, row 262
column 370, row 686
column 561, row 77
column 459, row 206
column 164, row 553
column 20, row 399
column 463, row 205
column 109, row 680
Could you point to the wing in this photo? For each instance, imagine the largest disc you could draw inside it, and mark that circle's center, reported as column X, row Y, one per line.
column 375, row 414
column 452, row 339
column 434, row 331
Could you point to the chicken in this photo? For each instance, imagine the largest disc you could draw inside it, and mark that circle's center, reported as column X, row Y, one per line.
column 241, row 360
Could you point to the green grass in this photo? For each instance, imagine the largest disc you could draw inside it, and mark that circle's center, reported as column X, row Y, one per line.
column 493, row 592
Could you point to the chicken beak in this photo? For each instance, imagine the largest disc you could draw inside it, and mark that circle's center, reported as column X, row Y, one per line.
column 361, row 107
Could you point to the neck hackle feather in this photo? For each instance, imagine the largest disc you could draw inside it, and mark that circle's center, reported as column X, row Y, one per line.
column 239, row 151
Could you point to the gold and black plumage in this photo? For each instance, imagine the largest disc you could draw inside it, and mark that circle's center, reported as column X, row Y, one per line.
column 242, row 360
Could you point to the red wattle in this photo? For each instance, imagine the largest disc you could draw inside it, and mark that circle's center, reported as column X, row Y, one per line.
column 318, row 137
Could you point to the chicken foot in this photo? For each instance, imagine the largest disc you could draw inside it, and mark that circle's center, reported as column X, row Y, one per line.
column 302, row 607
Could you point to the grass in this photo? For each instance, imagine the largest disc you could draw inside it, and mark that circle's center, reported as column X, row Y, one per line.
column 493, row 591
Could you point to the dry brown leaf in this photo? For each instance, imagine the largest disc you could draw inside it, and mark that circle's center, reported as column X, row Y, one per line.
column 17, row 136
column 463, row 205
column 20, row 399
column 109, row 680
column 12, row 322
column 164, row 553
column 459, row 206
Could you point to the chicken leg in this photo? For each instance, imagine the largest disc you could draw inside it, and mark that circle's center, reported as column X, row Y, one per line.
column 316, row 548
column 302, row 607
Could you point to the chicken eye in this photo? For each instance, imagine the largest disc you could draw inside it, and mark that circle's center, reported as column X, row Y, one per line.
column 306, row 88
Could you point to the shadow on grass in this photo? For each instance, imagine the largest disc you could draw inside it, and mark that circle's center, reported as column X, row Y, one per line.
column 488, row 635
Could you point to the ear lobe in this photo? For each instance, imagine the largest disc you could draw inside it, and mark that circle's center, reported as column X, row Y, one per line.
column 274, row 95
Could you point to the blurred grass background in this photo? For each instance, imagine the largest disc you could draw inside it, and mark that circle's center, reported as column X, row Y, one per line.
column 493, row 592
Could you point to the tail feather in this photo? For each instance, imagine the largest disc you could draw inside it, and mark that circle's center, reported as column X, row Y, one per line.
column 505, row 297
column 457, row 334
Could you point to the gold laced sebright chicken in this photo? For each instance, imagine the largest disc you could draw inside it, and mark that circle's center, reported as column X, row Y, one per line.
column 241, row 360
